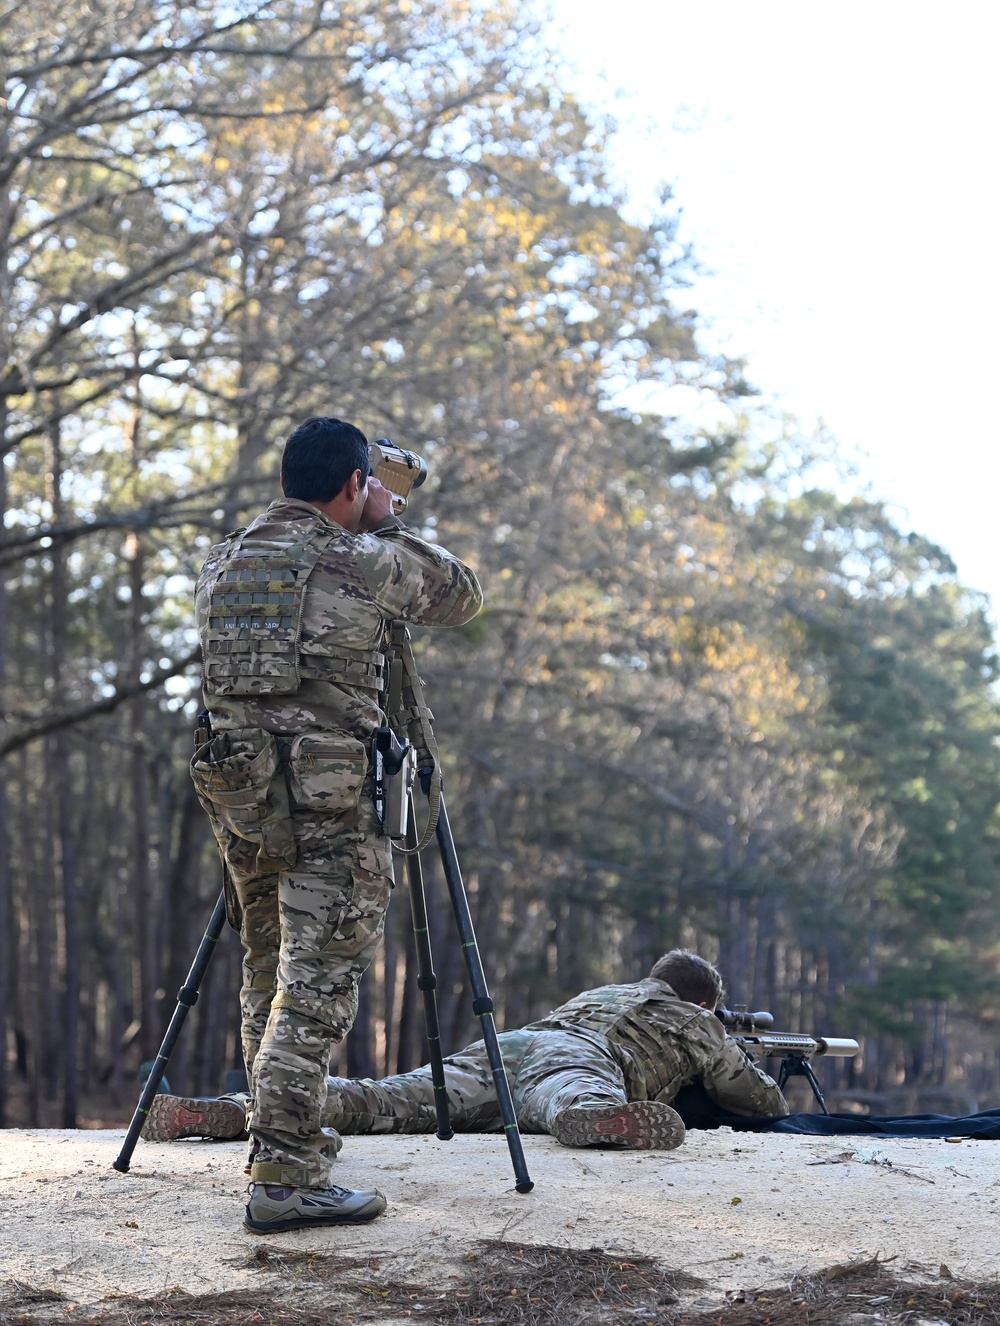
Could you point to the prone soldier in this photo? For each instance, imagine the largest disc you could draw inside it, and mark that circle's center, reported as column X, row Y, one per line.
column 601, row 1069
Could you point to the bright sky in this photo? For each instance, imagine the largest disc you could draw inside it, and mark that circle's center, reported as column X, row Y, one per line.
column 837, row 168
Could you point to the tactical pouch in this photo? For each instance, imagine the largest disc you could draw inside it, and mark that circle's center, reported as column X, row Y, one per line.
column 326, row 772
column 241, row 784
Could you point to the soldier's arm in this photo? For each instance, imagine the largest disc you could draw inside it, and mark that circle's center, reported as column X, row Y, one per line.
column 739, row 1087
column 416, row 581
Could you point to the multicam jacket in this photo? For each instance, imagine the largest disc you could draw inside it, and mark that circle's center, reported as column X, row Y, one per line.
column 357, row 584
column 663, row 1043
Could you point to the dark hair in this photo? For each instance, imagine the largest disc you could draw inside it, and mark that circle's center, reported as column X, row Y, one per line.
column 691, row 978
column 319, row 458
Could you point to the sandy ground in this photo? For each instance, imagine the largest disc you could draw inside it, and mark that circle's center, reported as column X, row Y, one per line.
column 739, row 1210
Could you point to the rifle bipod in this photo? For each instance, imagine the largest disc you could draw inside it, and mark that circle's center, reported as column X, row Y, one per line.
column 794, row 1065
column 482, row 1004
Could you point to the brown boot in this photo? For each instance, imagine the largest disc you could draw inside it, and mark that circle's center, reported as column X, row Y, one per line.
column 223, row 1118
column 643, row 1125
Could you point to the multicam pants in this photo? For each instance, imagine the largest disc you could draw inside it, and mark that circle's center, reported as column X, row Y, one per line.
column 309, row 932
column 548, row 1071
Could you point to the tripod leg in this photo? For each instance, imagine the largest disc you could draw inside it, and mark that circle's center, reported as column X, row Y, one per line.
column 426, row 977
column 187, row 997
column 482, row 1004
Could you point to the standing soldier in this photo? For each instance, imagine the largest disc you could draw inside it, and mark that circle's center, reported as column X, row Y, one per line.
column 292, row 617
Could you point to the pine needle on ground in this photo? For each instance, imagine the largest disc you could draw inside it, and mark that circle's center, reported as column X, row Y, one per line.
column 502, row 1283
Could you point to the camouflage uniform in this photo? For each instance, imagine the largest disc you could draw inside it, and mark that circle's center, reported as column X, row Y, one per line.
column 607, row 1046
column 310, row 873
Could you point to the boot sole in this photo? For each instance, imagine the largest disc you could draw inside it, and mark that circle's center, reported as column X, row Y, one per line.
column 171, row 1118
column 292, row 1221
column 304, row 1222
column 642, row 1125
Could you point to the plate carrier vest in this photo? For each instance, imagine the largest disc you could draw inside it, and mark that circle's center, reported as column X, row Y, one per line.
column 252, row 644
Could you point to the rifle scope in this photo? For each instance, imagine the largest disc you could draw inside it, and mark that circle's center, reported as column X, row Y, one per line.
column 738, row 1019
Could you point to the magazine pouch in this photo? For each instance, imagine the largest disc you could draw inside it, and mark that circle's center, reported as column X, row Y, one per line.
column 326, row 772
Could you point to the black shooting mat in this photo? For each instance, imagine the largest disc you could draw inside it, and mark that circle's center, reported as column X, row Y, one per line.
column 698, row 1111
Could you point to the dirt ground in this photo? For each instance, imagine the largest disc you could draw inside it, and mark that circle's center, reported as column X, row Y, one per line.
column 735, row 1209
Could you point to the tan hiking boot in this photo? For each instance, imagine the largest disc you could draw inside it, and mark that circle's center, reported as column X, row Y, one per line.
column 643, row 1125
column 172, row 1117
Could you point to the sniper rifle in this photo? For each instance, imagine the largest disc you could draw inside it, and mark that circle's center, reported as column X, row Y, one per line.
column 754, row 1035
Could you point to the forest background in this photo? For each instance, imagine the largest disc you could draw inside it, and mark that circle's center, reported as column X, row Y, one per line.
column 710, row 701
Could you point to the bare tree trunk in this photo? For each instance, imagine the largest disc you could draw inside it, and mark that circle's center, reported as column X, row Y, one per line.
column 390, row 966
column 71, row 932
column 63, row 797
column 186, row 917
column 46, row 982
column 409, row 1046
column 6, row 913
column 218, row 1016
column 120, row 992
column 230, row 1051
column 6, row 281
column 17, row 947
column 208, row 1012
column 454, row 1002
column 142, row 881
column 26, row 993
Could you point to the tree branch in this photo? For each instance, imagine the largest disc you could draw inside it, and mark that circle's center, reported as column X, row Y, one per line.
column 70, row 717
column 158, row 515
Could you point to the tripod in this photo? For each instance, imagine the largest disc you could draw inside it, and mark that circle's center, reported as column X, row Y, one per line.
column 482, row 1004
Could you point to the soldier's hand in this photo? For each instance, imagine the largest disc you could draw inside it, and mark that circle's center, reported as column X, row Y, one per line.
column 378, row 505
